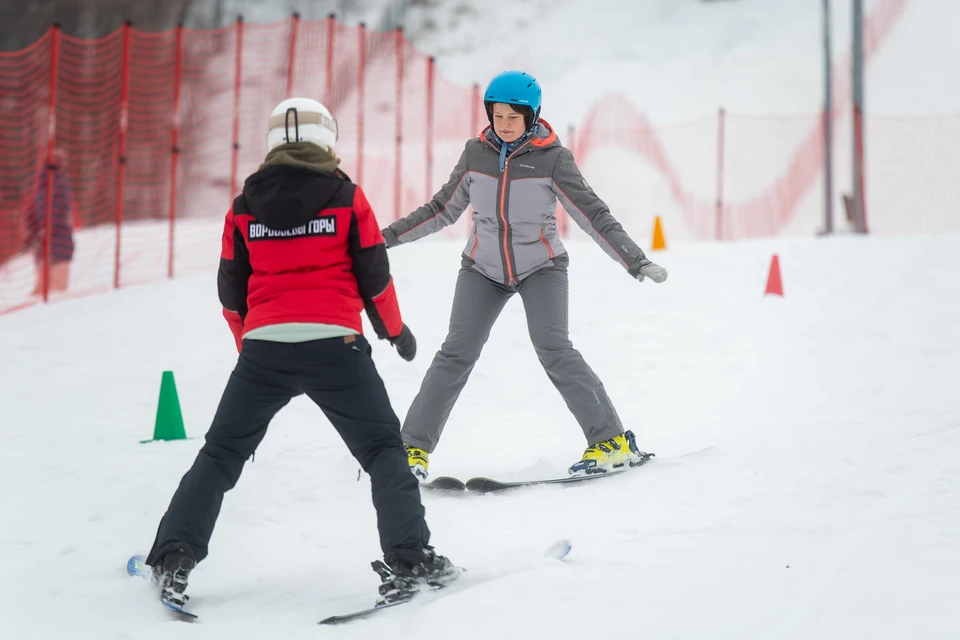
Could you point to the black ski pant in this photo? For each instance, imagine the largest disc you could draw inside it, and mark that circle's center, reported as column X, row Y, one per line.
column 339, row 375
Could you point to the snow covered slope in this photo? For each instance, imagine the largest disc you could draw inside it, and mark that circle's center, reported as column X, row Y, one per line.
column 680, row 59
column 674, row 59
column 807, row 482
column 676, row 62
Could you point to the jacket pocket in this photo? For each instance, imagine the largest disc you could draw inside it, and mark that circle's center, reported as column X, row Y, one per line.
column 543, row 239
column 476, row 241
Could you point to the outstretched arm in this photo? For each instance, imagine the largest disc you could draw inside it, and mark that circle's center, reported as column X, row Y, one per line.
column 593, row 216
column 443, row 209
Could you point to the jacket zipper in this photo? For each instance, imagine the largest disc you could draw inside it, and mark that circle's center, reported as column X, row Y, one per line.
column 543, row 239
column 506, row 229
column 503, row 213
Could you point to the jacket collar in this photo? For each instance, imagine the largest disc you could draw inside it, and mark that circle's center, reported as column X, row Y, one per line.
column 545, row 137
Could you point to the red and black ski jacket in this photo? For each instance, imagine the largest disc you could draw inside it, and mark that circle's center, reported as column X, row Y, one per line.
column 303, row 245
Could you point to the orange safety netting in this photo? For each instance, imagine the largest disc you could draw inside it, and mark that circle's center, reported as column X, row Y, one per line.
column 120, row 156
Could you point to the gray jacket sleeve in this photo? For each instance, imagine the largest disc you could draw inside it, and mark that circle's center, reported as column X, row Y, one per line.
column 443, row 209
column 593, row 215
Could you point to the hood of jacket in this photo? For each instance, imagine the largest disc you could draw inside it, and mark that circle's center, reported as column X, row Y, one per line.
column 293, row 184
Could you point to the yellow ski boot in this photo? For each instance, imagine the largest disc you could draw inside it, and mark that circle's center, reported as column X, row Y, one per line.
column 419, row 461
column 610, row 454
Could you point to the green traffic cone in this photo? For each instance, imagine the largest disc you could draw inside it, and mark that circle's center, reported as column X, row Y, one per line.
column 169, row 424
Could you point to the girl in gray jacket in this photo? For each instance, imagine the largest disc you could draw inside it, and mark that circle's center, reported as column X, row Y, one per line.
column 513, row 174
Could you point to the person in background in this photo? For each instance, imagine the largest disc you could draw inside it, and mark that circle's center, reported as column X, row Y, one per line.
column 61, row 225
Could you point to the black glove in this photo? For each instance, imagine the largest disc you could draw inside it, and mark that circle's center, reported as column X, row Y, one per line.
column 405, row 343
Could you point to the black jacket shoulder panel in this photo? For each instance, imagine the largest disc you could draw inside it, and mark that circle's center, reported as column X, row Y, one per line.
column 287, row 196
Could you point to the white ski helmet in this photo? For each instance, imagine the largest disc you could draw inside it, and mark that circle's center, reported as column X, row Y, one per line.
column 302, row 120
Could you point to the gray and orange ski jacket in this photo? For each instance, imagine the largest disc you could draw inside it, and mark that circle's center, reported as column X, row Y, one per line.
column 514, row 229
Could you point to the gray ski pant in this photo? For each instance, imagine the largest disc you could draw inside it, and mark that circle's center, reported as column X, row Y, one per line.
column 477, row 304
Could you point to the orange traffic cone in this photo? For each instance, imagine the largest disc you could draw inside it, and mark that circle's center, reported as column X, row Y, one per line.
column 774, row 282
column 658, row 242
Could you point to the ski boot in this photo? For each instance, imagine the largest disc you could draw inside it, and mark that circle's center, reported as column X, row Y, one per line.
column 419, row 461
column 171, row 575
column 401, row 580
column 605, row 455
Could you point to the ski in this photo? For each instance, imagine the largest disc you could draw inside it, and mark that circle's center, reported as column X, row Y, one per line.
column 489, row 485
column 178, row 609
column 137, row 568
column 364, row 613
column 556, row 551
column 445, row 484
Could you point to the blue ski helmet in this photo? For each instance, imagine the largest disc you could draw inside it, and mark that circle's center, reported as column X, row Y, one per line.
column 516, row 88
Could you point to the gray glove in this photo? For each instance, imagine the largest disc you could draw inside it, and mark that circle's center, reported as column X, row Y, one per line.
column 389, row 238
column 650, row 270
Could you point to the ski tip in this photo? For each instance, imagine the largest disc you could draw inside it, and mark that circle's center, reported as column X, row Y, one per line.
column 444, row 484
column 180, row 610
column 136, row 566
column 558, row 550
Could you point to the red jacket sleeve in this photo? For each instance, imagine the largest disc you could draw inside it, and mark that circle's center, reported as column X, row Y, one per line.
column 233, row 277
column 372, row 269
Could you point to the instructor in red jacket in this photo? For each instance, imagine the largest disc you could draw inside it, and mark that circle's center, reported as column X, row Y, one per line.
column 302, row 255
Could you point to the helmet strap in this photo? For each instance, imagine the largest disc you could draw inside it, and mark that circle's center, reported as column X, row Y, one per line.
column 296, row 125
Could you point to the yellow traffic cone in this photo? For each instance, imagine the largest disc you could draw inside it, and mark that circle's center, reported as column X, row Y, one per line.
column 658, row 242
